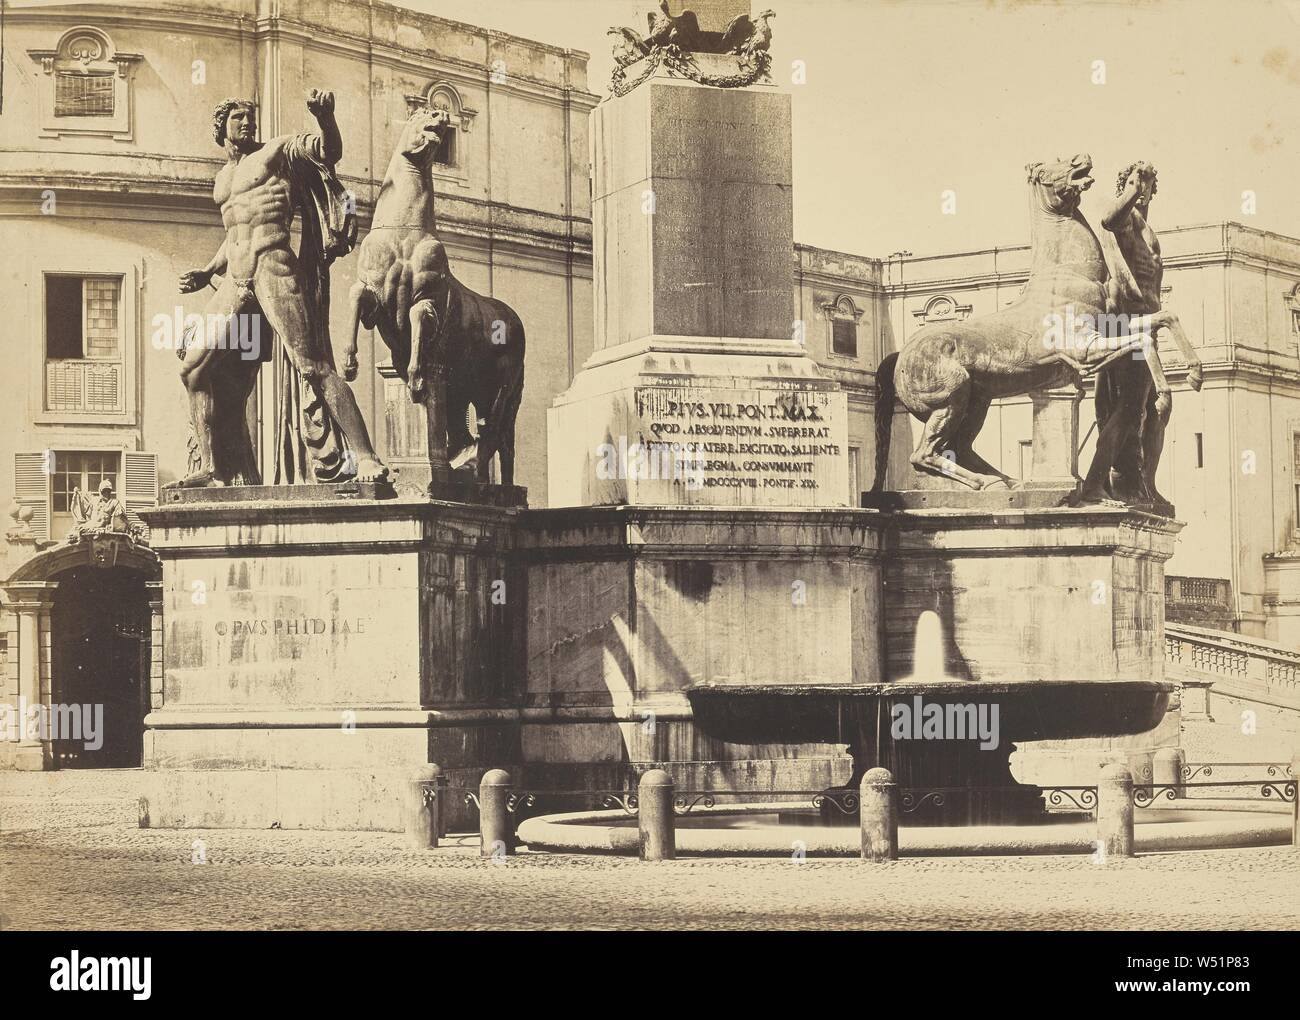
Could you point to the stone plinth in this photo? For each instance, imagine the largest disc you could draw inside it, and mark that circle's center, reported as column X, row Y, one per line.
column 316, row 651
column 1051, row 594
column 687, row 423
column 697, row 392
column 630, row 606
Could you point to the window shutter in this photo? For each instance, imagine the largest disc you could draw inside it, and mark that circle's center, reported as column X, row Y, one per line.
column 32, row 488
column 140, row 488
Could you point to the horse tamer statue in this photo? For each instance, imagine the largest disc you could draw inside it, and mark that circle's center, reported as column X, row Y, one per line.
column 949, row 373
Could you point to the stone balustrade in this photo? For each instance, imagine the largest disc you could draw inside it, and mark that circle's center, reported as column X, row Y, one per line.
column 1244, row 667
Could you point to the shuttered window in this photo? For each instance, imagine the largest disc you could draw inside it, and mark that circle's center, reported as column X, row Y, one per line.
column 84, row 369
column 45, row 482
column 140, row 484
column 82, row 472
column 32, row 490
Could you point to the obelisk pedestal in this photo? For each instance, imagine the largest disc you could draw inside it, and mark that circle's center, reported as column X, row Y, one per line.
column 698, row 391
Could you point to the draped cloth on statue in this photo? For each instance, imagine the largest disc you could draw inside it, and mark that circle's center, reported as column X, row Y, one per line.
column 309, row 445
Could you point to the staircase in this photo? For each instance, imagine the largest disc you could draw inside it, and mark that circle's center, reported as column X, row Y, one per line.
column 1240, row 696
column 1250, row 669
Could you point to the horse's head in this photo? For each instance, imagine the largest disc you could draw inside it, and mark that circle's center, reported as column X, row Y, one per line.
column 422, row 134
column 1058, row 186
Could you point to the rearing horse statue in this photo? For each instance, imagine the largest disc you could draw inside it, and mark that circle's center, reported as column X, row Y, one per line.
column 948, row 374
column 439, row 332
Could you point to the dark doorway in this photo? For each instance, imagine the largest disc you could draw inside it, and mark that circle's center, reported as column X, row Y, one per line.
column 99, row 644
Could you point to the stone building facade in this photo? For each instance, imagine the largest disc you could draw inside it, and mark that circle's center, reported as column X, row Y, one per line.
column 107, row 161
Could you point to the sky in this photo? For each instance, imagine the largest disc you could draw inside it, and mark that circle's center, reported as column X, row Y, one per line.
column 904, row 101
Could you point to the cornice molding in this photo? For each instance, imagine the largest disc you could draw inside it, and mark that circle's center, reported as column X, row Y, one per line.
column 499, row 224
column 202, row 21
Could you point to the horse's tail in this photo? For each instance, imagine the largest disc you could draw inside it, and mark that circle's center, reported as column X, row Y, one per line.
column 505, row 404
column 510, row 393
column 885, row 392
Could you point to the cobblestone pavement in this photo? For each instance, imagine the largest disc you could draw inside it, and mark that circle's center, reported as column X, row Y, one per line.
column 115, row 876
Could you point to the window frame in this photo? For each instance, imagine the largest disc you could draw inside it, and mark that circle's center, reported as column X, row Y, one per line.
column 85, row 49
column 128, row 327
column 834, row 311
column 62, row 517
column 1295, row 480
column 443, row 95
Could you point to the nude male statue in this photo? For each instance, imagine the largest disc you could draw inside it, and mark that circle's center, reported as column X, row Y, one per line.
column 258, row 190
column 1131, row 415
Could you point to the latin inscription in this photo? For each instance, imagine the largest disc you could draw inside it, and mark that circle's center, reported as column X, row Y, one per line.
column 774, row 442
column 291, row 626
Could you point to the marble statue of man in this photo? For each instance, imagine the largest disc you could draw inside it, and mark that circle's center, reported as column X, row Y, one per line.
column 259, row 190
column 1131, row 417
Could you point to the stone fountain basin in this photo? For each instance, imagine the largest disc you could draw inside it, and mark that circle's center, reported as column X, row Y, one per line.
column 839, row 713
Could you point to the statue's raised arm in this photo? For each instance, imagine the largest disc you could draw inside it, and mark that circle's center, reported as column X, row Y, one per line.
column 321, row 106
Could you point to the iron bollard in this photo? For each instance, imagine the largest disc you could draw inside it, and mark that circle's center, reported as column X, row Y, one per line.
column 1295, row 798
column 422, row 808
column 1167, row 769
column 444, row 806
column 878, row 800
column 655, row 816
column 1115, row 812
column 496, row 835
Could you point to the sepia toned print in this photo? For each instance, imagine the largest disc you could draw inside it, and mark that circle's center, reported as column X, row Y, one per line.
column 470, row 461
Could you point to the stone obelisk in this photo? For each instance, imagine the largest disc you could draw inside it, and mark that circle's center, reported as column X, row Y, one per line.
column 699, row 390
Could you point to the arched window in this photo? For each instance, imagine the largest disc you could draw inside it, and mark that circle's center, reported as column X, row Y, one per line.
column 843, row 315
column 444, row 96
column 85, row 85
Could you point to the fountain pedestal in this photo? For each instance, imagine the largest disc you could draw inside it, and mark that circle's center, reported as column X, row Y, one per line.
column 1010, row 627
column 947, row 742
